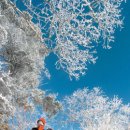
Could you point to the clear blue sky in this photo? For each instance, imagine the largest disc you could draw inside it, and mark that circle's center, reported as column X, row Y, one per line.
column 111, row 72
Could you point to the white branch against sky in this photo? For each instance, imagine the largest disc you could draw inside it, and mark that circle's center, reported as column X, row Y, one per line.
column 72, row 29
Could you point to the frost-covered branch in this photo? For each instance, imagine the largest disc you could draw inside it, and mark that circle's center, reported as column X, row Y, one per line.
column 92, row 110
column 22, row 55
column 72, row 28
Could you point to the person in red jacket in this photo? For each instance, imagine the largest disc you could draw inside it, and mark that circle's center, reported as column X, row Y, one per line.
column 40, row 124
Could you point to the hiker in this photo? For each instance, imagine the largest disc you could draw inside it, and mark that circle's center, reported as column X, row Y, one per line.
column 40, row 124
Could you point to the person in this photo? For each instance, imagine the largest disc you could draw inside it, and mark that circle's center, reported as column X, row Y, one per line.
column 40, row 124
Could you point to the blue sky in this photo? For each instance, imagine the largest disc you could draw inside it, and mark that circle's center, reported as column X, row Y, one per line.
column 111, row 72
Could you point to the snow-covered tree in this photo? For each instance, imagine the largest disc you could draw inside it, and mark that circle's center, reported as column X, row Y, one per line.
column 22, row 55
column 92, row 110
column 72, row 28
column 25, row 119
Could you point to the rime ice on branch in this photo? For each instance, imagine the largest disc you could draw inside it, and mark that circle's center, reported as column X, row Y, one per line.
column 69, row 28
column 72, row 28
column 21, row 61
column 92, row 110
column 22, row 55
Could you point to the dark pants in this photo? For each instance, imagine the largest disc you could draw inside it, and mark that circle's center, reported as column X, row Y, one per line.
column 34, row 128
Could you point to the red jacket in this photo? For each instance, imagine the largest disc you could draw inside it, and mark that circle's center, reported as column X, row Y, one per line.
column 41, row 127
